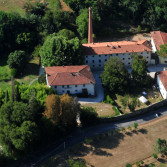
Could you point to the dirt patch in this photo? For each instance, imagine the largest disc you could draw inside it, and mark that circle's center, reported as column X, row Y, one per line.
column 65, row 7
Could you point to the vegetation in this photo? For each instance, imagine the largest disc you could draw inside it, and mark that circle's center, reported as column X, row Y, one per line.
column 163, row 50
column 160, row 146
column 115, row 76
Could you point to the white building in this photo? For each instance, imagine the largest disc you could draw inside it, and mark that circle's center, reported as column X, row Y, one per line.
column 158, row 38
column 162, row 83
column 96, row 54
column 71, row 79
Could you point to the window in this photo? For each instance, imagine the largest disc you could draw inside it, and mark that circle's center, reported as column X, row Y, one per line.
column 83, row 85
column 141, row 52
column 93, row 56
column 99, row 55
column 128, row 63
column 147, row 62
column 99, row 61
column 99, row 65
column 76, row 85
column 93, row 65
column 105, row 59
column 63, row 86
column 129, row 58
column 93, row 61
column 123, row 54
column 76, row 90
column 55, row 87
column 67, row 86
column 147, row 52
column 147, row 57
column 116, row 54
column 86, row 56
column 63, row 91
column 86, row 61
column 123, row 59
column 106, row 55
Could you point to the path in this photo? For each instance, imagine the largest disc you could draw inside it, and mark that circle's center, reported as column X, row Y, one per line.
column 32, row 81
column 65, row 7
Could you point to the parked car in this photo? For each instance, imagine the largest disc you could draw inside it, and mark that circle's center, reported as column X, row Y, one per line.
column 158, row 114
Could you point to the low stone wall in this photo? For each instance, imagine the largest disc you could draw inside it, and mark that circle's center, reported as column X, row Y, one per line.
column 136, row 113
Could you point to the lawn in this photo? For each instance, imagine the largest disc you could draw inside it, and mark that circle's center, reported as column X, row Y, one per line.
column 116, row 149
column 30, row 73
column 17, row 5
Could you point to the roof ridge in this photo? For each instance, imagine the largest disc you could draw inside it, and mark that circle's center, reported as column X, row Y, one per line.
column 162, row 37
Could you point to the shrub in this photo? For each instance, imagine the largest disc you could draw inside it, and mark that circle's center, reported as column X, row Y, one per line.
column 116, row 110
column 137, row 164
column 138, row 29
column 122, row 129
column 76, row 163
column 128, row 165
column 13, row 72
column 135, row 125
column 155, row 155
column 151, row 165
column 88, row 116
column 109, row 100
column 42, row 79
column 88, row 141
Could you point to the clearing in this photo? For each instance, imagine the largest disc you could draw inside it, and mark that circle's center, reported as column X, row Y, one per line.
column 116, row 149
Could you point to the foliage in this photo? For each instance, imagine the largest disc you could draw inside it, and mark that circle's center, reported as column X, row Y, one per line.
column 128, row 165
column 109, row 100
column 88, row 116
column 116, row 110
column 82, row 23
column 123, row 129
column 115, row 76
column 151, row 165
column 66, row 33
column 56, row 48
column 135, row 125
column 42, row 79
column 163, row 50
column 88, row 141
column 124, row 101
column 17, row 60
column 155, row 155
column 132, row 104
column 137, row 164
column 138, row 29
column 160, row 146
column 18, row 131
column 61, row 110
column 76, row 163
column 139, row 70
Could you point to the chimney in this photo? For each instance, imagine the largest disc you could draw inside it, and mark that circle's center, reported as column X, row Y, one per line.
column 90, row 28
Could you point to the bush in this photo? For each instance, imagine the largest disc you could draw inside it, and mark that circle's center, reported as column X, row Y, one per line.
column 88, row 116
column 13, row 72
column 155, row 155
column 135, row 125
column 138, row 29
column 109, row 100
column 76, row 163
column 137, row 164
column 116, row 110
column 128, row 165
column 42, row 79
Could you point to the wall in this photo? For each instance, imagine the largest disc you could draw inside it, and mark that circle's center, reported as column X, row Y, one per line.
column 98, row 61
column 154, row 49
column 75, row 89
column 161, row 88
column 136, row 113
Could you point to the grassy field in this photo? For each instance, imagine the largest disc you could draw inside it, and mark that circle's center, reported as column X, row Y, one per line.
column 116, row 149
column 17, row 5
column 30, row 72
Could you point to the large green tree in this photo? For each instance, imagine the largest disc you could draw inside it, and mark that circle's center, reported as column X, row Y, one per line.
column 58, row 51
column 163, row 50
column 139, row 70
column 17, row 60
column 160, row 146
column 18, row 131
column 115, row 76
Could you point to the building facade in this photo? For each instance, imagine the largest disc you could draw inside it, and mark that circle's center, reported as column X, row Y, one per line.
column 96, row 54
column 71, row 79
column 162, row 83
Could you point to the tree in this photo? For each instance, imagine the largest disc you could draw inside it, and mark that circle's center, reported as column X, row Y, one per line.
column 135, row 125
column 57, row 50
column 160, row 146
column 82, row 23
column 155, row 155
column 115, row 76
column 66, row 33
column 17, row 94
column 52, row 110
column 17, row 60
column 69, row 111
column 139, row 70
column 138, row 29
column 163, row 50
column 132, row 104
column 42, row 79
column 18, row 132
column 6, row 97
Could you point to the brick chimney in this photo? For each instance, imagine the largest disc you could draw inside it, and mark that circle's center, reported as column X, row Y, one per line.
column 90, row 28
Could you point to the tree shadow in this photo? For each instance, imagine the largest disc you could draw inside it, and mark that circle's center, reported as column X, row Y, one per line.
column 129, row 133
column 143, row 131
column 135, row 131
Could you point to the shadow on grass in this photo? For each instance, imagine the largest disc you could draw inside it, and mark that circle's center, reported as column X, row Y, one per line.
column 143, row 131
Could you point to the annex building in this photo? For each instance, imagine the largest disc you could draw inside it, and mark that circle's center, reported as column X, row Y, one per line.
column 71, row 79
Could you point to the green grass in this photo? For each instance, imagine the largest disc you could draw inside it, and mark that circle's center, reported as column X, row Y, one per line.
column 17, row 5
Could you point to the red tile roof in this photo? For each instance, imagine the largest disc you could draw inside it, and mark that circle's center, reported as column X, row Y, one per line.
column 69, row 75
column 117, row 47
column 163, row 77
column 159, row 37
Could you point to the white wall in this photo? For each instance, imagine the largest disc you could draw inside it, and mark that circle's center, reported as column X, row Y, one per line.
column 161, row 88
column 75, row 89
column 98, row 61
column 154, row 49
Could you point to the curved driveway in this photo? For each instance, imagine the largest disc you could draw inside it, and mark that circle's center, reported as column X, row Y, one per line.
column 37, row 158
